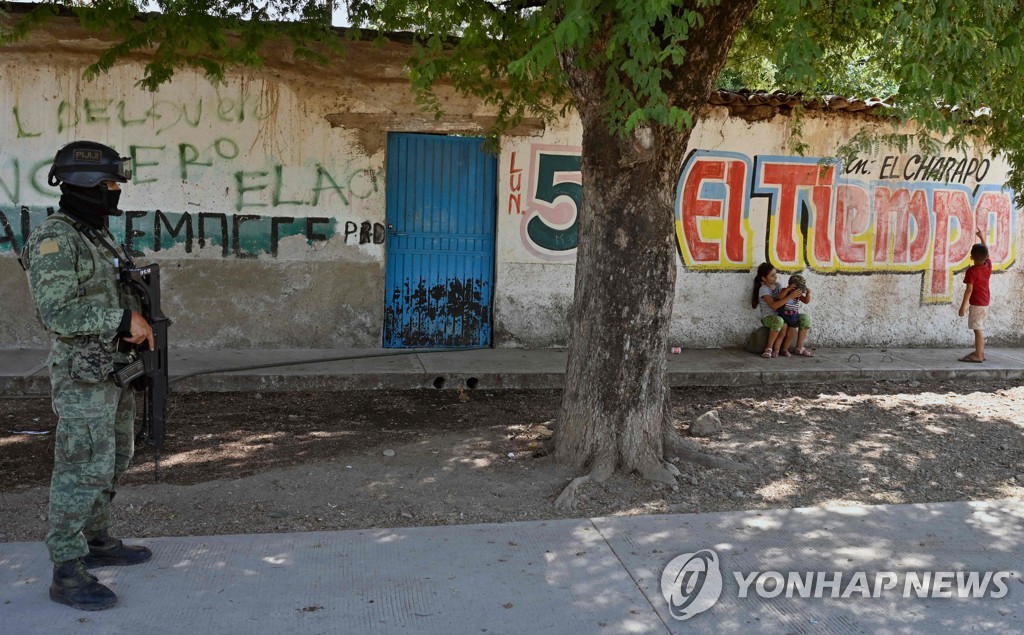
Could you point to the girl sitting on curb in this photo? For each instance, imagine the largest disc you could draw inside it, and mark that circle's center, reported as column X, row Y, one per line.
column 794, row 319
column 768, row 297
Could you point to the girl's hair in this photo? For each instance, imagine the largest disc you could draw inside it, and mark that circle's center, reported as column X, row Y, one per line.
column 762, row 270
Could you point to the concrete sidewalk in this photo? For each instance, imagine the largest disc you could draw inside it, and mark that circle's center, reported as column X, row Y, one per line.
column 24, row 372
column 599, row 575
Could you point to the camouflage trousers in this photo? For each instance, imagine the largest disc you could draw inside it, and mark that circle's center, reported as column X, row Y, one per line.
column 95, row 441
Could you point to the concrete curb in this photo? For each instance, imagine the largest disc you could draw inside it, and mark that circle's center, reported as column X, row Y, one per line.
column 22, row 372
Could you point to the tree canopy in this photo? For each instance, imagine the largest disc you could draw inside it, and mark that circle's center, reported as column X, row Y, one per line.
column 952, row 66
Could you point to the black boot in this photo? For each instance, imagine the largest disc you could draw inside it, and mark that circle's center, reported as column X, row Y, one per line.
column 105, row 551
column 76, row 587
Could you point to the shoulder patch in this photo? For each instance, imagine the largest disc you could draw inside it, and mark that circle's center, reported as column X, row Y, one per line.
column 48, row 246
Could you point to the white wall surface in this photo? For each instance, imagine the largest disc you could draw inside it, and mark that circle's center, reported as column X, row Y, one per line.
column 877, row 278
column 302, row 154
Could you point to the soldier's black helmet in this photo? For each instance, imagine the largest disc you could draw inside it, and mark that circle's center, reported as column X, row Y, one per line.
column 87, row 164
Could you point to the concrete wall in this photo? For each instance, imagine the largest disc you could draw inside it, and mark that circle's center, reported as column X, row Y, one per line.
column 219, row 170
column 263, row 200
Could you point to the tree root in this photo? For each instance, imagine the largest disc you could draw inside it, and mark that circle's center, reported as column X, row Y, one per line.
column 658, row 471
column 566, row 501
column 653, row 468
column 676, row 445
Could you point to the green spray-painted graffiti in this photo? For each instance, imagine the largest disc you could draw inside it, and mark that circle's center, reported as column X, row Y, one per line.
column 160, row 116
column 228, row 235
column 280, row 186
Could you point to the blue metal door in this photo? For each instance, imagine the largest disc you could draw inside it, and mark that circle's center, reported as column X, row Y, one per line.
column 441, row 211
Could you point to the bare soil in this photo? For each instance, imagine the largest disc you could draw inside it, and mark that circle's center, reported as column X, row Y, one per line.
column 281, row 462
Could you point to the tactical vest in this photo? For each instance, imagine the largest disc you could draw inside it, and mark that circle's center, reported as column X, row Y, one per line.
column 100, row 287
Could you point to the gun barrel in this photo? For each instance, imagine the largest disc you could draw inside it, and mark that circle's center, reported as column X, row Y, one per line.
column 157, row 386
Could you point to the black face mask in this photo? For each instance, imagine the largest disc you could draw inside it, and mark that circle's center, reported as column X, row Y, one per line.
column 110, row 199
column 91, row 204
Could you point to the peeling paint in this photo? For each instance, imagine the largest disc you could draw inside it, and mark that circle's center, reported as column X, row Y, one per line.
column 453, row 313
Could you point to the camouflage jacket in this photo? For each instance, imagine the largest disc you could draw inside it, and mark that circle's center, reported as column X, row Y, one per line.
column 73, row 281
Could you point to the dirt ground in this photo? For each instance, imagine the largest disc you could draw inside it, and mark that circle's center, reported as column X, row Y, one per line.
column 256, row 463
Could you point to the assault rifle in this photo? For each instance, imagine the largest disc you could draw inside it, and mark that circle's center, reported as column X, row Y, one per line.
column 150, row 369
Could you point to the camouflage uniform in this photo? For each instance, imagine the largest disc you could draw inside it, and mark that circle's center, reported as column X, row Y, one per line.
column 74, row 284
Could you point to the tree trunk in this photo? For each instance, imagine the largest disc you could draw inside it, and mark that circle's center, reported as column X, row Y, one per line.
column 616, row 409
column 616, row 394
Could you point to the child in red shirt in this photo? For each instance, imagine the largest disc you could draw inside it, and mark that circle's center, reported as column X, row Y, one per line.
column 977, row 297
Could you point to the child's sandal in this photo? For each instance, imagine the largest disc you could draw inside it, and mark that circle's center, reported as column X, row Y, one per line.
column 785, row 354
column 767, row 354
column 803, row 352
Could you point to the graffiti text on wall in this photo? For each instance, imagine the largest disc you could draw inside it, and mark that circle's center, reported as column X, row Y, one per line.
column 194, row 141
column 157, row 116
column 895, row 213
column 224, row 235
column 275, row 187
column 829, row 220
column 554, row 192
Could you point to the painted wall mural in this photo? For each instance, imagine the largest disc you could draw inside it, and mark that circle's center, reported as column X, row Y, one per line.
column 914, row 215
column 897, row 213
column 548, row 204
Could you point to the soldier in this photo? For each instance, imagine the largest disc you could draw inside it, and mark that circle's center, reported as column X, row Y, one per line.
column 71, row 261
